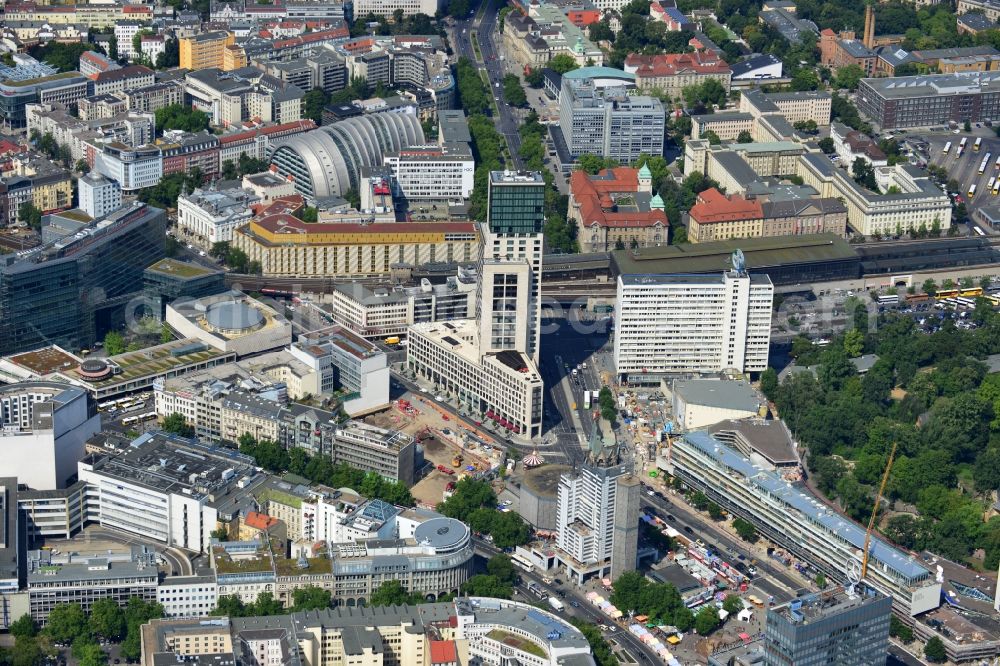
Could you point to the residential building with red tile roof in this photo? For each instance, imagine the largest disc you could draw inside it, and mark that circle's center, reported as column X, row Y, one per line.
column 616, row 207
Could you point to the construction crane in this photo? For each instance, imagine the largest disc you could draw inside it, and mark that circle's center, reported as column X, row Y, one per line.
column 878, row 502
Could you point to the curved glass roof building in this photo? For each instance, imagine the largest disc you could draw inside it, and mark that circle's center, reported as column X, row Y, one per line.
column 326, row 161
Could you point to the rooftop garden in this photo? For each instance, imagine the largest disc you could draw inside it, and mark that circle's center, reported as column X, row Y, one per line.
column 516, row 642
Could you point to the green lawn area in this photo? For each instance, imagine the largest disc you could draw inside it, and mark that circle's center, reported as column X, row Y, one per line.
column 475, row 46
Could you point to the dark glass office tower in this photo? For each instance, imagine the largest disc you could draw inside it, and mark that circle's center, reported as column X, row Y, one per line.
column 516, row 202
column 71, row 290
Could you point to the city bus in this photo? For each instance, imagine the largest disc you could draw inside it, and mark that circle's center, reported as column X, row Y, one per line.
column 979, row 142
column 972, row 190
column 519, row 561
column 961, row 146
column 996, row 164
column 148, row 416
column 982, row 165
column 989, row 186
column 947, row 149
column 996, row 187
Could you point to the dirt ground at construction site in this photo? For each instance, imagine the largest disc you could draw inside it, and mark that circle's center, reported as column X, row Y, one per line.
column 449, row 448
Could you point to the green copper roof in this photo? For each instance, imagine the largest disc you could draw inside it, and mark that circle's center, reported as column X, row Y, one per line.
column 644, row 172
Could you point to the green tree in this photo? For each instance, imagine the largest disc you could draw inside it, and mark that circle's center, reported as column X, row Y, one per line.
column 82, row 167
column 535, row 78
column 177, row 424
column 854, row 343
column 229, row 171
column 707, row 620
column 171, row 54
column 114, row 343
column 563, row 63
column 91, row 654
column 392, row 593
column 180, row 117
column 165, row 334
column 600, row 31
column 23, row 626
column 732, row 604
column 513, row 93
column 744, row 137
column 137, row 613
column 715, row 511
column 820, row 580
column 934, row 650
column 712, row 138
column 66, row 623
column 769, row 383
column 229, row 605
column 967, row 126
column 502, row 568
column 849, row 76
column 900, row 630
column 700, row 501
column 30, row 215
column 745, row 530
column 107, row 619
column 313, row 104
column 599, row 648
column 826, row 145
column 864, row 173
column 929, row 287
column 265, row 605
column 485, row 585
column 310, row 598
column 25, row 652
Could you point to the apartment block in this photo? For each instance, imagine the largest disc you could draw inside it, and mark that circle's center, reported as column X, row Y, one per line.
column 204, row 50
column 433, row 172
column 674, row 324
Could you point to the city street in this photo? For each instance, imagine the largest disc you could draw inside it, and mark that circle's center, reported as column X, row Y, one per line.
column 774, row 580
column 584, row 610
column 484, row 26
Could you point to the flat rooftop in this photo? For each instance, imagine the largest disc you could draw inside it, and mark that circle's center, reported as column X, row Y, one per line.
column 719, row 393
column 801, row 500
column 770, row 439
column 820, row 605
column 171, row 464
column 760, row 253
column 181, row 269
column 46, row 360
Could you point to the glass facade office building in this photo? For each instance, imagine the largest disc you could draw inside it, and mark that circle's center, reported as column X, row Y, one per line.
column 831, row 627
column 516, row 202
column 70, row 291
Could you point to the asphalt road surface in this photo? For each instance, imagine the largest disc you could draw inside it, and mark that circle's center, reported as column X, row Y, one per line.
column 484, row 24
column 775, row 579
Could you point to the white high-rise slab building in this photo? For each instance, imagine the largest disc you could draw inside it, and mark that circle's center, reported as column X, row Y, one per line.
column 678, row 324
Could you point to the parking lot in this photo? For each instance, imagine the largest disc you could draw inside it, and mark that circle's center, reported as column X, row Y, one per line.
column 964, row 168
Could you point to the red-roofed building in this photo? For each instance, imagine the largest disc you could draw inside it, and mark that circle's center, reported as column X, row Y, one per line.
column 255, row 142
column 581, row 18
column 255, row 524
column 444, row 653
column 718, row 217
column 93, row 63
column 616, row 208
column 670, row 73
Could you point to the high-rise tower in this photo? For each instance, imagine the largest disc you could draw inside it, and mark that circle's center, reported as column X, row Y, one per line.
column 509, row 304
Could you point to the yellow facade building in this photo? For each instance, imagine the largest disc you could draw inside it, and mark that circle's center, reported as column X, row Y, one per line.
column 205, row 50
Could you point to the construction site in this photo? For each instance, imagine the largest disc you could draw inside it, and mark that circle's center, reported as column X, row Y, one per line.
column 450, row 450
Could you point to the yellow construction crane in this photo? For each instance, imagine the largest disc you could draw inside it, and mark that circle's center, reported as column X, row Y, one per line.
column 878, row 502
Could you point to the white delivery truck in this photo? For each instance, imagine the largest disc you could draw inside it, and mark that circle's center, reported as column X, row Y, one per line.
column 556, row 604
